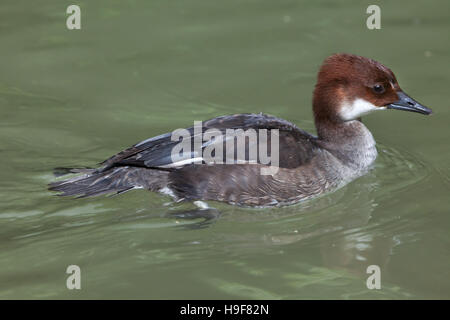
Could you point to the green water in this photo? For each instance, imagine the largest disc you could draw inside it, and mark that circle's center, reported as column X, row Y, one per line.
column 141, row 68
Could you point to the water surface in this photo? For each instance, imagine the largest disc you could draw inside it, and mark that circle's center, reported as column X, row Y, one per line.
column 141, row 68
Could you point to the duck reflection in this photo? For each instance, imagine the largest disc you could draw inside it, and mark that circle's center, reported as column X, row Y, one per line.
column 348, row 238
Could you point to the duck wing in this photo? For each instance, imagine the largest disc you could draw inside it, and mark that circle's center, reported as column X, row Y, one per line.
column 296, row 147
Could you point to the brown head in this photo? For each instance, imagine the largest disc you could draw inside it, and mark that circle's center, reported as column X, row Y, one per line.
column 350, row 86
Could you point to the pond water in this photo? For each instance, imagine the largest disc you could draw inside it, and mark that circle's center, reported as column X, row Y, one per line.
column 141, row 68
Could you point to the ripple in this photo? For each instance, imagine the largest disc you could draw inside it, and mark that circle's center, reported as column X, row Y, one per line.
column 346, row 212
column 397, row 168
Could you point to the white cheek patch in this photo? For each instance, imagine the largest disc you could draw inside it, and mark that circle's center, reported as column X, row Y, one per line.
column 357, row 108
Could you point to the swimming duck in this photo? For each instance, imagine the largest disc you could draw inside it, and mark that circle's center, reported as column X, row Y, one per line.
column 348, row 87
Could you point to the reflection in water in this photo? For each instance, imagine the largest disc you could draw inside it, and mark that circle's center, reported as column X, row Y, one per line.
column 352, row 239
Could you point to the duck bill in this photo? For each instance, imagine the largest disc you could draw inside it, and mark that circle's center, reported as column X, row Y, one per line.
column 406, row 103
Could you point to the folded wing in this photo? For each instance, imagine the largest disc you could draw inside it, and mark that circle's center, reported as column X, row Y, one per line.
column 295, row 146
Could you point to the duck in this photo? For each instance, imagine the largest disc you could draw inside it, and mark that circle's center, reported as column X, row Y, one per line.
column 301, row 166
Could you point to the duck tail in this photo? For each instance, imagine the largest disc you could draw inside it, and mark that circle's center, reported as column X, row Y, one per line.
column 93, row 182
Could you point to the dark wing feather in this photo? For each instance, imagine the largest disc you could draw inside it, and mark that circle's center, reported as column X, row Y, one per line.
column 297, row 147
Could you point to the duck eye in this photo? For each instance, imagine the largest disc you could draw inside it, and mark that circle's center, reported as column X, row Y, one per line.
column 378, row 88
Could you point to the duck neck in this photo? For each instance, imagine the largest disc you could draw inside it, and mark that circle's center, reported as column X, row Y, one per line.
column 349, row 141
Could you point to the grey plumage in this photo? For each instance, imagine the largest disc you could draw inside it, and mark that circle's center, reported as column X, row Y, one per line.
column 306, row 167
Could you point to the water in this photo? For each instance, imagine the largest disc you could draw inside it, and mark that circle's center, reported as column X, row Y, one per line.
column 141, row 68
